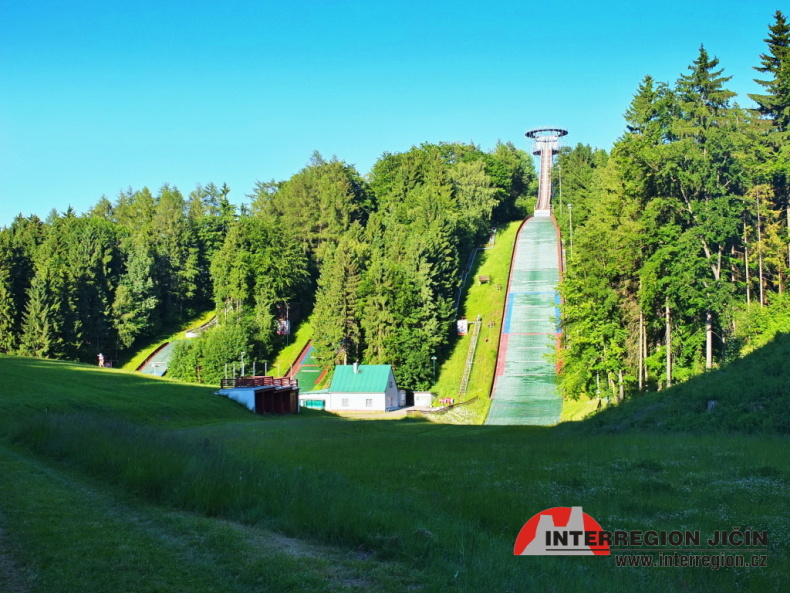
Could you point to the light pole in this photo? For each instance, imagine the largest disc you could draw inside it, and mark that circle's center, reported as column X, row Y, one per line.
column 433, row 358
column 242, row 364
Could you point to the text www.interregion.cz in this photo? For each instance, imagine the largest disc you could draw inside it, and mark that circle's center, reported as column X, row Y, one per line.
column 684, row 560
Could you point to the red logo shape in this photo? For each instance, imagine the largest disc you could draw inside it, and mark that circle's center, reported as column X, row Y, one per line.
column 563, row 531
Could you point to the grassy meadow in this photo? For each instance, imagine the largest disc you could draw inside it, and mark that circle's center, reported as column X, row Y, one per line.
column 116, row 482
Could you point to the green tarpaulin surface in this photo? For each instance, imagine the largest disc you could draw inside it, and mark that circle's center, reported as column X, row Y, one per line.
column 525, row 390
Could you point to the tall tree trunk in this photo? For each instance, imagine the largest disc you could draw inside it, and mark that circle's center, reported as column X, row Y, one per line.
column 598, row 385
column 639, row 346
column 746, row 262
column 760, row 252
column 669, row 345
column 708, row 340
column 644, row 350
column 620, row 385
column 732, row 265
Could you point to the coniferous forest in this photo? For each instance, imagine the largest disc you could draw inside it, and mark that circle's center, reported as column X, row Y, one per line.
column 378, row 259
column 681, row 253
column 677, row 246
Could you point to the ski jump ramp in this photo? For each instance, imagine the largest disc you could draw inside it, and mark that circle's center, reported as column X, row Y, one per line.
column 525, row 389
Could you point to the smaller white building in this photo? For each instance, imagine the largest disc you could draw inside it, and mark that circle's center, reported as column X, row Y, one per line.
column 423, row 399
column 357, row 388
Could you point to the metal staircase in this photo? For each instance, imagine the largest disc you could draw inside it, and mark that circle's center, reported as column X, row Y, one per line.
column 470, row 357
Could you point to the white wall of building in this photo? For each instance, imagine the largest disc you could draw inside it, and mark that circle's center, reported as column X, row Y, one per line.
column 245, row 396
column 423, row 399
column 372, row 402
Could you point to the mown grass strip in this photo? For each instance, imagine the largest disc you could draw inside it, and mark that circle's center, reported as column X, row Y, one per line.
column 70, row 534
column 486, row 300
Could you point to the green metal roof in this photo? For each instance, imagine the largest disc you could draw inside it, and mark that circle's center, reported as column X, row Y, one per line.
column 369, row 378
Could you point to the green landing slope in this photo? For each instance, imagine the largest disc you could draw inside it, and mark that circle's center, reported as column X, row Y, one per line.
column 525, row 390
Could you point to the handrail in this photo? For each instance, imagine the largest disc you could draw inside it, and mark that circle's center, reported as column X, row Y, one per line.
column 470, row 357
column 260, row 381
column 447, row 408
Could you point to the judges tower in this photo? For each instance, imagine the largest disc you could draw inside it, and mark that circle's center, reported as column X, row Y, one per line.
column 547, row 144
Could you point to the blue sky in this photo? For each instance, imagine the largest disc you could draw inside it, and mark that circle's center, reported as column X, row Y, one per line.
column 97, row 97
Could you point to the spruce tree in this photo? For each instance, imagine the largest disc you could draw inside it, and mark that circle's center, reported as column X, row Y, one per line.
column 774, row 104
column 8, row 337
column 135, row 303
column 40, row 330
column 336, row 327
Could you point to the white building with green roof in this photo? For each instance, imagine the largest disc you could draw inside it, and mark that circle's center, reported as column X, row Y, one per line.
column 358, row 388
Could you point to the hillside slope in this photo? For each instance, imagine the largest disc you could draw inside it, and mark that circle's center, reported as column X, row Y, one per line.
column 105, row 472
column 751, row 395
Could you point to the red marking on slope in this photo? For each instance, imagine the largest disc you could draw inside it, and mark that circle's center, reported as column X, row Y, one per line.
column 532, row 334
column 500, row 363
column 502, row 345
column 299, row 359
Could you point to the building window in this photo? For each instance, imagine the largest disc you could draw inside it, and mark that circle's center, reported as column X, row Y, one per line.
column 344, row 402
column 368, row 403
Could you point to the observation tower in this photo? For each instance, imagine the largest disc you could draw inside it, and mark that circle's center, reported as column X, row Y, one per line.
column 547, row 144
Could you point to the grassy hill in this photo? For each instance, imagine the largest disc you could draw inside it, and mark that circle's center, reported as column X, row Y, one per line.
column 486, row 300
column 115, row 482
column 751, row 395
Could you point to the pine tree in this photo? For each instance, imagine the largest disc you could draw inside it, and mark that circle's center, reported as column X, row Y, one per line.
column 702, row 97
column 318, row 204
column 705, row 175
column 774, row 105
column 22, row 240
column 8, row 337
column 135, row 303
column 336, row 327
column 175, row 248
column 40, row 331
column 770, row 146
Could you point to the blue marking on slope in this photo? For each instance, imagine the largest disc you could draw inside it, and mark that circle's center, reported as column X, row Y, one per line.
column 508, row 313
